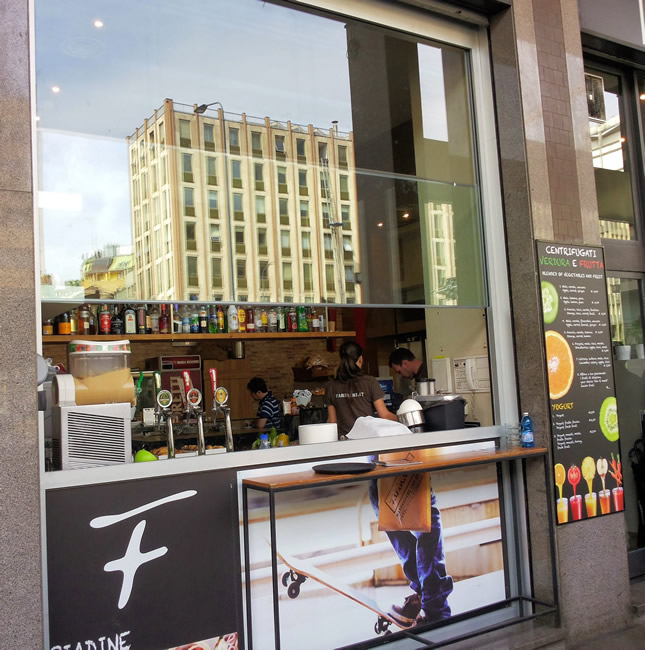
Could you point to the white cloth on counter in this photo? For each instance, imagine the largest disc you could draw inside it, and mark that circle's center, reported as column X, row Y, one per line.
column 371, row 427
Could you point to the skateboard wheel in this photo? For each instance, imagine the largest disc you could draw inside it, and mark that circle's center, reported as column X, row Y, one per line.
column 293, row 590
column 286, row 578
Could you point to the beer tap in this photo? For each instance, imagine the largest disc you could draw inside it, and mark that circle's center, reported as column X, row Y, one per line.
column 194, row 409
column 163, row 411
column 220, row 397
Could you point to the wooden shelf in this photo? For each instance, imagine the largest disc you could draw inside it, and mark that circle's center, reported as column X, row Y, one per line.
column 135, row 338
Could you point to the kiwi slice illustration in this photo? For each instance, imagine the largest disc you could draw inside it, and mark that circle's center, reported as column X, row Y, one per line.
column 608, row 419
column 549, row 302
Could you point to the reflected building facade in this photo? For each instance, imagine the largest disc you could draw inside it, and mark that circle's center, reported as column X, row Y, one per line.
column 244, row 209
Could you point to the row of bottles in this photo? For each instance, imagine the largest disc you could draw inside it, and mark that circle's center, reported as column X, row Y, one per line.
column 194, row 318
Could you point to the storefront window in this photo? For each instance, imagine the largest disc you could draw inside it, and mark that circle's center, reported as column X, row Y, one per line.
column 609, row 147
column 379, row 156
column 625, row 300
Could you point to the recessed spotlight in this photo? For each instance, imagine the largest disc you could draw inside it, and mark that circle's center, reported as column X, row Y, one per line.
column 623, row 139
column 98, row 24
column 380, row 224
column 55, row 89
column 642, row 97
column 406, row 215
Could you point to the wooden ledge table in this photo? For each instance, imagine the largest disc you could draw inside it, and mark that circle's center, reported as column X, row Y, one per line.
column 438, row 458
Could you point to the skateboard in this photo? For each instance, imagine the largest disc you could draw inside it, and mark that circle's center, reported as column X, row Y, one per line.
column 300, row 570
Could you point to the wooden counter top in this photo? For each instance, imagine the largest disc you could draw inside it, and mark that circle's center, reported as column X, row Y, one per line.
column 437, row 460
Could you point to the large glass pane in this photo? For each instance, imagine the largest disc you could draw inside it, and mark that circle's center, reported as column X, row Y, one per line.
column 377, row 162
column 609, row 149
column 625, row 300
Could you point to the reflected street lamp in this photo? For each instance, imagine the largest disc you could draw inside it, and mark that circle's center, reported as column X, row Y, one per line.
column 200, row 109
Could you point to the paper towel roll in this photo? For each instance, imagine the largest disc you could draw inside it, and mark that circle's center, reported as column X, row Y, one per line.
column 311, row 433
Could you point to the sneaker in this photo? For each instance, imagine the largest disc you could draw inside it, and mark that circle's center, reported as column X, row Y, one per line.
column 424, row 618
column 407, row 613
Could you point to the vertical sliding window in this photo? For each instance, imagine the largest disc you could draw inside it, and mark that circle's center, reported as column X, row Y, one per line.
column 216, row 244
column 216, row 273
column 187, row 167
column 162, row 136
column 283, row 205
column 306, row 245
column 209, row 137
column 184, row 134
column 342, row 157
column 344, row 187
column 191, row 242
column 256, row 143
column 189, row 202
column 280, row 151
column 192, row 277
column 329, row 253
column 302, row 182
column 285, row 243
column 307, row 277
column 240, row 247
column 260, row 209
column 238, row 207
column 330, row 281
column 236, row 173
column 304, row 214
column 262, row 241
column 259, row 176
column 240, row 266
column 287, row 276
column 211, row 171
column 282, row 180
column 234, row 140
column 344, row 214
column 213, row 209
column 300, row 150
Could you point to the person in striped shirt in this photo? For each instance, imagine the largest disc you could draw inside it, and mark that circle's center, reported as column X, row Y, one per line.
column 269, row 412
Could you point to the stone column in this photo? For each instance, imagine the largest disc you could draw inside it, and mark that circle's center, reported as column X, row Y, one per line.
column 549, row 194
column 21, row 608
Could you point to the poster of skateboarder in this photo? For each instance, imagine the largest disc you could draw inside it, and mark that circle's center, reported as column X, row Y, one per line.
column 341, row 580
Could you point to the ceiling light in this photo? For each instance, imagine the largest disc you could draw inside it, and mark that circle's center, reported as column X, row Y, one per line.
column 642, row 97
column 406, row 215
column 380, row 224
column 55, row 89
column 98, row 24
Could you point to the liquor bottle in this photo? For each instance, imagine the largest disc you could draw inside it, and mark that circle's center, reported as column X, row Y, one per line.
column 259, row 325
column 265, row 320
column 321, row 321
column 232, row 322
column 142, row 316
column 213, row 322
column 116, row 321
column 154, row 317
column 194, row 319
column 241, row 319
column 250, row 320
column 528, row 438
column 302, row 318
column 315, row 320
column 48, row 327
column 292, row 320
column 282, row 319
column 84, row 320
column 185, row 319
column 93, row 324
column 164, row 326
column 203, row 319
column 64, row 325
column 309, row 319
column 73, row 320
column 105, row 319
column 220, row 319
column 177, row 324
column 129, row 320
column 273, row 319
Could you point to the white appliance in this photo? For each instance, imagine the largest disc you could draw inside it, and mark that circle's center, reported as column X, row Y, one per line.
column 91, row 436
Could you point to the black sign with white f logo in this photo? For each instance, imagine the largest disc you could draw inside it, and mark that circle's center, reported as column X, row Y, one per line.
column 151, row 563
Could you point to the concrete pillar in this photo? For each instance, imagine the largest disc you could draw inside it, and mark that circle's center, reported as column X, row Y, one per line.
column 20, row 557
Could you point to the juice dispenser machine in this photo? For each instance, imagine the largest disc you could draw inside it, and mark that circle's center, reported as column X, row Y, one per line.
column 93, row 406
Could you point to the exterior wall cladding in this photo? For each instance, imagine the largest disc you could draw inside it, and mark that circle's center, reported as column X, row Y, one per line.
column 548, row 193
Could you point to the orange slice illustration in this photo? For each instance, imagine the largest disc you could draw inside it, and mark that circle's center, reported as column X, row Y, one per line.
column 559, row 359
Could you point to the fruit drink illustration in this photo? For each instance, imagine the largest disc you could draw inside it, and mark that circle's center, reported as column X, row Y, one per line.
column 573, row 476
column 604, row 496
column 617, row 492
column 562, row 503
column 588, row 473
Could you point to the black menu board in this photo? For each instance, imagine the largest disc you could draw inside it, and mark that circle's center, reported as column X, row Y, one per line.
column 584, row 418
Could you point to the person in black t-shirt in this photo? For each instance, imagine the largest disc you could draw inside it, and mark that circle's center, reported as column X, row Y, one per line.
column 406, row 365
column 353, row 394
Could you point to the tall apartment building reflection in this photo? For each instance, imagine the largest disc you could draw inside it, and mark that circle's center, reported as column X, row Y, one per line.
column 279, row 224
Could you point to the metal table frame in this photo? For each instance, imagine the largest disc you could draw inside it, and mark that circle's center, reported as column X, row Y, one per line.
column 272, row 485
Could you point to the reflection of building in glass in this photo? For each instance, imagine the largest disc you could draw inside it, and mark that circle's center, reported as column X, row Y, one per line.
column 443, row 266
column 108, row 273
column 612, row 181
column 278, row 222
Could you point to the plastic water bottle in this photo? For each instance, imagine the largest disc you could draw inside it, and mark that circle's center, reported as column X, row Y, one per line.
column 264, row 441
column 528, row 440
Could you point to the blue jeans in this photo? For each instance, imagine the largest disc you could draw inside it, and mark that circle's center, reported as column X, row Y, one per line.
column 423, row 561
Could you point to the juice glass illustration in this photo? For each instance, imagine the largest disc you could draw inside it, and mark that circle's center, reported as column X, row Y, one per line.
column 617, row 494
column 573, row 476
column 604, row 496
column 617, row 473
column 563, row 510
column 591, row 504
column 588, row 468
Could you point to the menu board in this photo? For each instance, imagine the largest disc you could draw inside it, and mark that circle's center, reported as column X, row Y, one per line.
column 584, row 418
